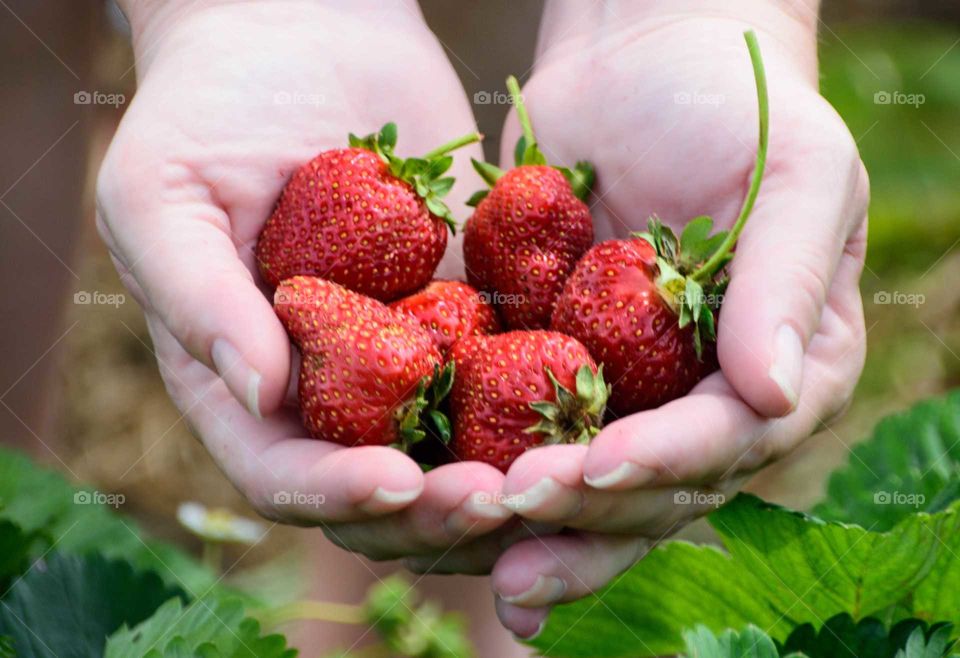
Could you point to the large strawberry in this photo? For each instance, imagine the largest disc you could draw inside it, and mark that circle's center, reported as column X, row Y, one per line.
column 528, row 231
column 645, row 307
column 362, row 217
column 367, row 373
column 522, row 389
column 450, row 310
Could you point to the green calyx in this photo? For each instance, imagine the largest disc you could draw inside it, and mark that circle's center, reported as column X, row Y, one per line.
column 692, row 270
column 526, row 152
column 424, row 174
column 421, row 415
column 575, row 416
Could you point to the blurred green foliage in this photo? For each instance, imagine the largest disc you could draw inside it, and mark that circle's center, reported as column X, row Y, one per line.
column 912, row 151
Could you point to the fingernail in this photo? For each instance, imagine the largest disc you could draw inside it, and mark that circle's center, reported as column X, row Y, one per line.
column 384, row 500
column 242, row 380
column 533, row 635
column 479, row 506
column 547, row 495
column 547, row 590
column 627, row 473
column 787, row 368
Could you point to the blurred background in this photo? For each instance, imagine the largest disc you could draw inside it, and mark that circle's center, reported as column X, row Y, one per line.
column 79, row 387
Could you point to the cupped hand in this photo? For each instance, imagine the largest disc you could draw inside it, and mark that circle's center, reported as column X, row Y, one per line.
column 666, row 109
column 232, row 97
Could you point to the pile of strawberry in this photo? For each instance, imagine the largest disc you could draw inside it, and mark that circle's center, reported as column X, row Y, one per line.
column 392, row 357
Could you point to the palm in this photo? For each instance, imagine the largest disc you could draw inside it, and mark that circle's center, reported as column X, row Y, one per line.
column 231, row 100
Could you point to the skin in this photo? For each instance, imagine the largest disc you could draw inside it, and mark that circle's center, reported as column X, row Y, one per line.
column 183, row 193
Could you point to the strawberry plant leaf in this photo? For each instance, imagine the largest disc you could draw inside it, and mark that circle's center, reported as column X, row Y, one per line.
column 645, row 611
column 841, row 637
column 67, row 605
column 750, row 643
column 836, row 567
column 50, row 511
column 206, row 627
column 910, row 463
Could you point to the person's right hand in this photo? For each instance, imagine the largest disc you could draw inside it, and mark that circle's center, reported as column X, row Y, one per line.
column 232, row 97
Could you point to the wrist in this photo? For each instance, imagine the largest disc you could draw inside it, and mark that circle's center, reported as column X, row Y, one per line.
column 152, row 20
column 791, row 23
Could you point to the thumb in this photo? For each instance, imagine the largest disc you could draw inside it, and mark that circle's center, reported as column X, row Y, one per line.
column 185, row 261
column 779, row 281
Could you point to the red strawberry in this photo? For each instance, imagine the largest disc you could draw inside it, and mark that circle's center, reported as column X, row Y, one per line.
column 528, row 232
column 362, row 217
column 364, row 369
column 450, row 310
column 522, row 389
column 645, row 307
column 612, row 305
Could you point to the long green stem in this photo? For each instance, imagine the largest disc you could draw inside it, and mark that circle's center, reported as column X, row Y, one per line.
column 340, row 613
column 514, row 88
column 708, row 269
column 453, row 145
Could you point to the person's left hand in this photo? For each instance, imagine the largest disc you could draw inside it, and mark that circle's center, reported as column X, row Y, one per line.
column 791, row 335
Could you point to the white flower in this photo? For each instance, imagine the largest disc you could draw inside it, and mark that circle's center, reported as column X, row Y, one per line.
column 219, row 525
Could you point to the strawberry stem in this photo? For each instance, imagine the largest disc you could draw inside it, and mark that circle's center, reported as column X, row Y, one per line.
column 514, row 88
column 718, row 259
column 453, row 145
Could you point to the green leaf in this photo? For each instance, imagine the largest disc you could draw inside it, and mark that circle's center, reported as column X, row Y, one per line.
column 696, row 243
column 645, row 611
column 533, row 156
column 477, row 197
column 388, row 135
column 784, row 568
column 49, row 511
column 750, row 643
column 488, row 172
column 67, row 605
column 811, row 569
column 441, row 186
column 519, row 150
column 910, row 463
column 207, row 627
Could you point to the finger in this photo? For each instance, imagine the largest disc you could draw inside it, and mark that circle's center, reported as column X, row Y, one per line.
column 295, row 480
column 459, row 502
column 784, row 266
column 546, row 484
column 544, row 571
column 524, row 623
column 185, row 261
